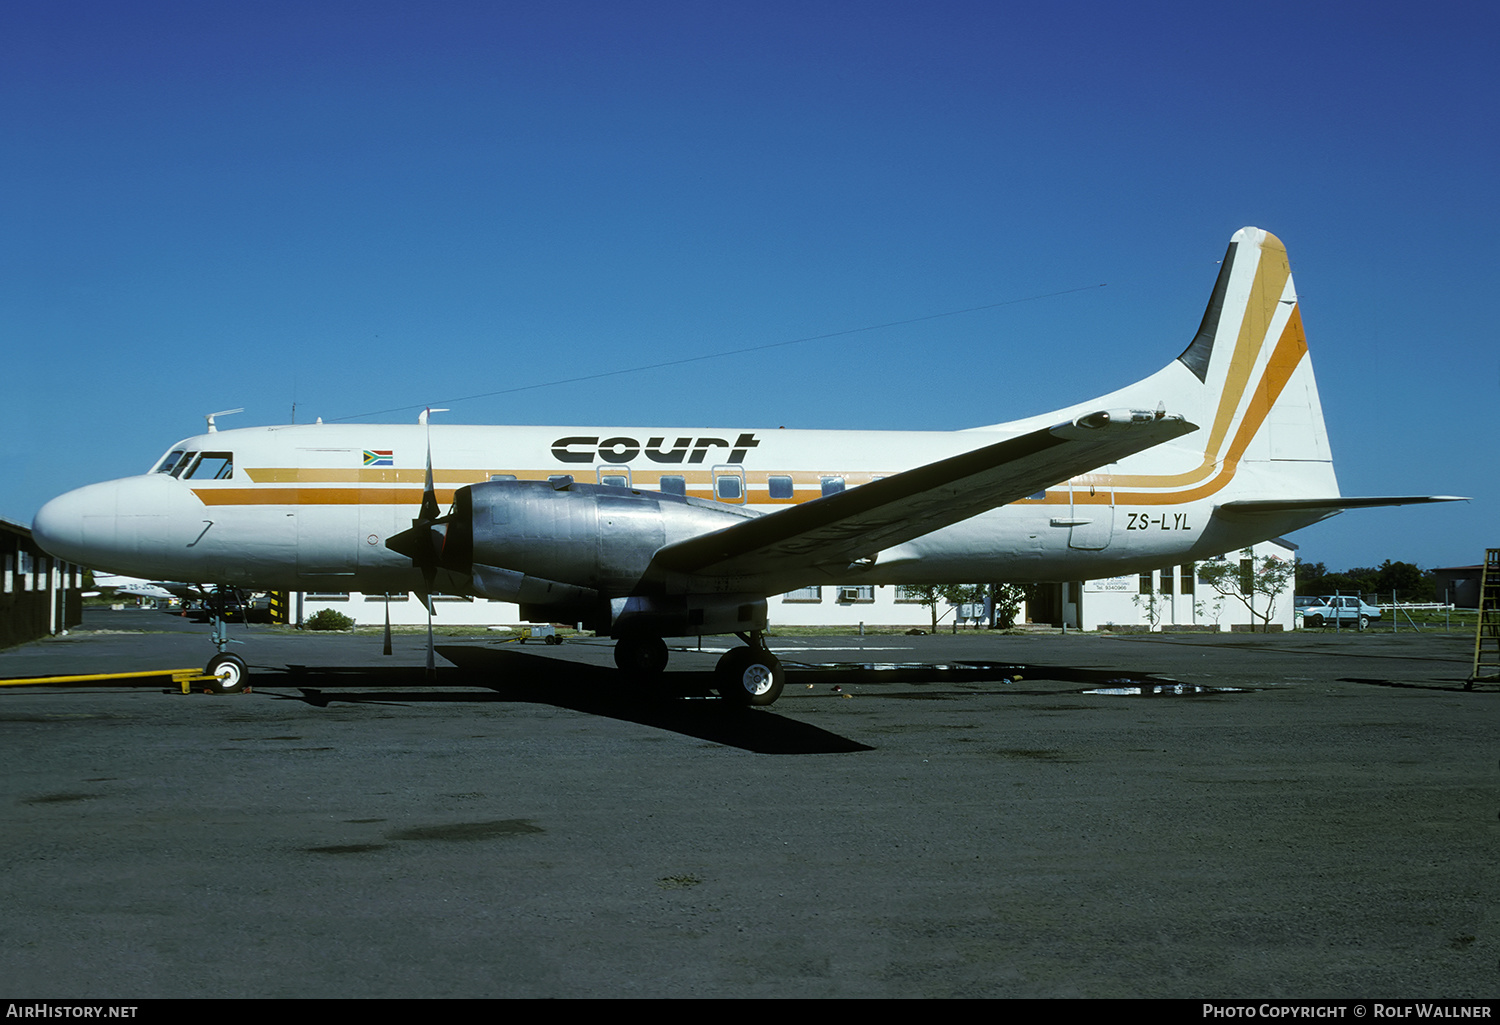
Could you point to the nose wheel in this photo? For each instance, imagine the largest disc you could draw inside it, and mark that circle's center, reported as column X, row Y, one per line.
column 230, row 672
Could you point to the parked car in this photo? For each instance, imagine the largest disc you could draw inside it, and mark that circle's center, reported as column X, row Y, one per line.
column 1345, row 609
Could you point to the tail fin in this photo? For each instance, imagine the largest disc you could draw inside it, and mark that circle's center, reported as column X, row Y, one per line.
column 1250, row 353
column 1247, row 381
column 1264, row 446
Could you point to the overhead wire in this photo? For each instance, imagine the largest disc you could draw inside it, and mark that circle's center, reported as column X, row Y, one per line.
column 714, row 355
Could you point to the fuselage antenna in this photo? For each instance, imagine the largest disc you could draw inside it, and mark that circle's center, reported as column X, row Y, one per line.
column 223, row 412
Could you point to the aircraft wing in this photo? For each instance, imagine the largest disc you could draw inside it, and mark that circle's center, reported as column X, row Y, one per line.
column 1327, row 506
column 843, row 528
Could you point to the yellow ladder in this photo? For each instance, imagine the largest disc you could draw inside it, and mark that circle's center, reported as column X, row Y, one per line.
column 1487, row 629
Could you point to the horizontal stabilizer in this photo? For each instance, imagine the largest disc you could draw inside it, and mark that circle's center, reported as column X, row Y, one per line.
column 857, row 524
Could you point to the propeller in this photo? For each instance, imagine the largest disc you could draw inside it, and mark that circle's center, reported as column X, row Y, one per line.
column 423, row 543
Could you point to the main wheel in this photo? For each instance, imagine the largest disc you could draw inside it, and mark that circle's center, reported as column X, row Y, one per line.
column 641, row 655
column 231, row 672
column 750, row 676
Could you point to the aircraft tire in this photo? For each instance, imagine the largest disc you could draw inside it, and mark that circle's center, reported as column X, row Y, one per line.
column 232, row 673
column 640, row 655
column 750, row 676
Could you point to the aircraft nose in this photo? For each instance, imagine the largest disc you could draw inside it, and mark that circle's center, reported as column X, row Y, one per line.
column 58, row 526
column 124, row 526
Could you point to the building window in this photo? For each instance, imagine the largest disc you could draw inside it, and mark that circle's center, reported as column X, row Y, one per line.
column 1166, row 580
column 865, row 593
column 1145, row 585
column 805, row 594
column 1189, row 577
column 1247, row 576
column 327, row 596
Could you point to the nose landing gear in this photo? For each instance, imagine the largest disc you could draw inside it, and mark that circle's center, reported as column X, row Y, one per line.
column 231, row 671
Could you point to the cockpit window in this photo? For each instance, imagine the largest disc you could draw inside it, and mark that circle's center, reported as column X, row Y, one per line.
column 211, row 466
column 169, row 461
column 183, row 462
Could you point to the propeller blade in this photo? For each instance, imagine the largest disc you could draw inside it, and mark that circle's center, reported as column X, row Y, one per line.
column 429, row 511
column 431, row 665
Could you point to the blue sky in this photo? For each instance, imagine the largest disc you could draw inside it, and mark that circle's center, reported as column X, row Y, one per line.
column 361, row 207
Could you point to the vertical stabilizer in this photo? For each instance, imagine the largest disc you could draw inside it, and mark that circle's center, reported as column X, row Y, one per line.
column 1251, row 391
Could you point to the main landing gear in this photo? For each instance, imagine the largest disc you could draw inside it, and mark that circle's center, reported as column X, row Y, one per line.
column 747, row 675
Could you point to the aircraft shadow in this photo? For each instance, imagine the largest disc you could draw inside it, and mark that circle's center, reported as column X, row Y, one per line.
column 517, row 676
column 1457, row 684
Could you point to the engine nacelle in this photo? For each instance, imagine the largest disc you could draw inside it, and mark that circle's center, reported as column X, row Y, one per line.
column 569, row 546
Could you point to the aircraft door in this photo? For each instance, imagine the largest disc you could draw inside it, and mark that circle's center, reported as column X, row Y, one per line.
column 1093, row 511
column 326, row 541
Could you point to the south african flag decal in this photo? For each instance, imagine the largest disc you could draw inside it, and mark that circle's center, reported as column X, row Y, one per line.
column 380, row 457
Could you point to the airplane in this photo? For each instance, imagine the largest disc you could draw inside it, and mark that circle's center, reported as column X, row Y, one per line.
column 137, row 587
column 645, row 534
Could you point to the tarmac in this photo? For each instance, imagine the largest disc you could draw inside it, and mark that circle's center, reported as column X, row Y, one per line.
column 1306, row 815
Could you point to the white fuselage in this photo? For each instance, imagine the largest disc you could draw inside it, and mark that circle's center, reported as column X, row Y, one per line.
column 297, row 508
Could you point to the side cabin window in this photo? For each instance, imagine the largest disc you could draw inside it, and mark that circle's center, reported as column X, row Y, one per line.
column 832, row 485
column 502, row 476
column 615, row 476
column 779, row 486
column 672, row 484
column 728, row 487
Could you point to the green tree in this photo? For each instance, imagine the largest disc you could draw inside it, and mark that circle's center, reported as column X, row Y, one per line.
column 1310, row 577
column 1406, row 579
column 1005, row 603
column 934, row 595
column 1255, row 582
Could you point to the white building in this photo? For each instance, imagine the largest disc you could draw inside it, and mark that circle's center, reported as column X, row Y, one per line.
column 1175, row 597
column 1164, row 598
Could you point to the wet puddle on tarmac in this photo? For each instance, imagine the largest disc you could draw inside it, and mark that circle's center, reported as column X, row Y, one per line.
column 1165, row 690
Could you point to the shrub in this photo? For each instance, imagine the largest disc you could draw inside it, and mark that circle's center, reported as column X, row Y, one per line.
column 328, row 619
